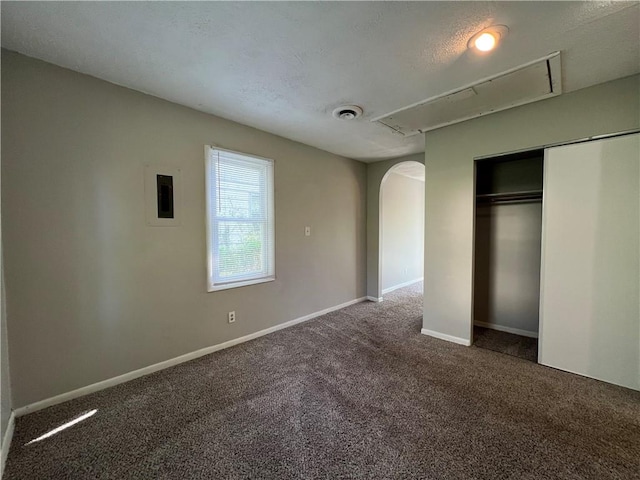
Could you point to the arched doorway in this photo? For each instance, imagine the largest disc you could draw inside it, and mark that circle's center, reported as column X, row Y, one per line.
column 401, row 227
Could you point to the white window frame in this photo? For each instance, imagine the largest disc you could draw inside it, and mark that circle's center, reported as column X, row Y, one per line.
column 211, row 222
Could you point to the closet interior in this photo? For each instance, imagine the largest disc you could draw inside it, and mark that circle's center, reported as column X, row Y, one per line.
column 507, row 256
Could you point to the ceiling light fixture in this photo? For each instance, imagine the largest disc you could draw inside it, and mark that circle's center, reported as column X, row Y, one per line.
column 487, row 39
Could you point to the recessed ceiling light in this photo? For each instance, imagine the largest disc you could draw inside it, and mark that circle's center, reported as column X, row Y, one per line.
column 485, row 42
column 347, row 112
column 487, row 39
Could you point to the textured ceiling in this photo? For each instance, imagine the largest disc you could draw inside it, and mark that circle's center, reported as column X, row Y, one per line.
column 283, row 67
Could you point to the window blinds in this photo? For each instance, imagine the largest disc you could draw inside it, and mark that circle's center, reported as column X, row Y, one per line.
column 240, row 219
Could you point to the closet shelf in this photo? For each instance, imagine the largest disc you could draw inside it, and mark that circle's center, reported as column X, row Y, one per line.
column 529, row 195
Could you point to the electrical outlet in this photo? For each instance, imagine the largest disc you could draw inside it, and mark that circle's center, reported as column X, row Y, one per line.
column 232, row 317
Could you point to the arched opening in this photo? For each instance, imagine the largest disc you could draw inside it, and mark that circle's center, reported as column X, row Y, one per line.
column 401, row 230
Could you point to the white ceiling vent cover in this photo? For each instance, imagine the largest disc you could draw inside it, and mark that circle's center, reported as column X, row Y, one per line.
column 527, row 83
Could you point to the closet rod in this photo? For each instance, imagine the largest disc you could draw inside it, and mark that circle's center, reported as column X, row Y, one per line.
column 493, row 198
column 510, row 202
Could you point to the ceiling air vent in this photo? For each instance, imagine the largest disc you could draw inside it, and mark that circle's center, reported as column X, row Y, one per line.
column 527, row 83
column 347, row 112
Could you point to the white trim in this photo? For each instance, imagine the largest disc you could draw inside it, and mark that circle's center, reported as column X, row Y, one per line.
column 48, row 402
column 268, row 271
column 501, row 328
column 560, row 144
column 374, row 299
column 245, row 283
column 213, row 146
column 401, row 285
column 6, row 442
column 448, row 338
column 582, row 374
column 553, row 60
column 543, row 249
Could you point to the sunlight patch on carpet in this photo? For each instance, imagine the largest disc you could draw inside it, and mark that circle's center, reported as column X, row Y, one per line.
column 63, row 427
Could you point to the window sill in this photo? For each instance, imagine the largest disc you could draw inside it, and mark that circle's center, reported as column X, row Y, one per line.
column 244, row 283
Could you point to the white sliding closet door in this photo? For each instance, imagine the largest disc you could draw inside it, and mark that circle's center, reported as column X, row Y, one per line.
column 590, row 278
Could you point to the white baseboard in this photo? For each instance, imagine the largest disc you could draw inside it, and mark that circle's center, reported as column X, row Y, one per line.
column 500, row 328
column 401, row 285
column 64, row 397
column 374, row 299
column 448, row 338
column 6, row 442
column 633, row 386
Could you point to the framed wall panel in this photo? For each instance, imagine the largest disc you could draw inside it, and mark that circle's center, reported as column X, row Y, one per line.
column 162, row 196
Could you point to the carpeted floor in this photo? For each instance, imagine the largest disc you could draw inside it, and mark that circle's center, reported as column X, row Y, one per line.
column 356, row 394
column 516, row 345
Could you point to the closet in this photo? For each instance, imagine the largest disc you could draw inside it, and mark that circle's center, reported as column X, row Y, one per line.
column 508, row 230
column 562, row 262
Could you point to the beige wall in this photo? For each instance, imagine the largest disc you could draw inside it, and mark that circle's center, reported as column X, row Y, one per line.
column 92, row 291
column 402, row 230
column 5, row 381
column 449, row 186
column 375, row 174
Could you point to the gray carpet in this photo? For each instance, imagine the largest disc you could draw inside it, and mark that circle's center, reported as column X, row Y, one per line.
column 516, row 345
column 355, row 394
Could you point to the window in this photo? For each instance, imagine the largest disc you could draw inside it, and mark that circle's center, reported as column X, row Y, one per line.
column 240, row 225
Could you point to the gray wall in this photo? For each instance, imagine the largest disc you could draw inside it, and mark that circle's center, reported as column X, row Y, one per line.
column 507, row 265
column 5, row 381
column 92, row 291
column 402, row 230
column 375, row 173
column 449, row 185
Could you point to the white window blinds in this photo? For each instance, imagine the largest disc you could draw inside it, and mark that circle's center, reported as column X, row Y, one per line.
column 240, row 219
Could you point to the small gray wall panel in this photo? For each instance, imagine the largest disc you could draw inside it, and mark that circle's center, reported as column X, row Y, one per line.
column 507, row 265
